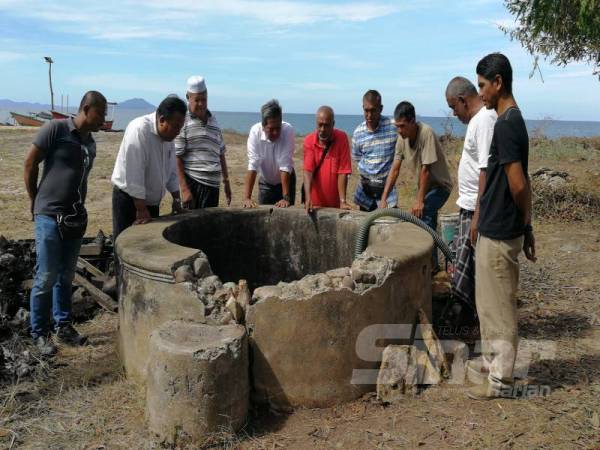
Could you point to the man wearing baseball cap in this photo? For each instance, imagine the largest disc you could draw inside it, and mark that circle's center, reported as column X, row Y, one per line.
column 200, row 152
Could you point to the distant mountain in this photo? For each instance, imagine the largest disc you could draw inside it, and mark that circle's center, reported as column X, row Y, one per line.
column 23, row 106
column 136, row 103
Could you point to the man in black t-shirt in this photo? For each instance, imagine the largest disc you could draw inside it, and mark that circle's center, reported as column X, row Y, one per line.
column 504, row 230
column 67, row 149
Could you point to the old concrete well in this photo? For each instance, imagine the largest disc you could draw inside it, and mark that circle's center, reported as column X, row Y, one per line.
column 313, row 312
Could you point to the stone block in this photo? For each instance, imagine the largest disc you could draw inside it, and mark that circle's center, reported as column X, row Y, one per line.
column 197, row 382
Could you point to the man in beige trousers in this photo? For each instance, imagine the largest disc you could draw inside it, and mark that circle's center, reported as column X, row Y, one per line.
column 504, row 230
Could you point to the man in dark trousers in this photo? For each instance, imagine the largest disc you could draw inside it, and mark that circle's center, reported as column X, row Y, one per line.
column 504, row 230
column 67, row 148
column 145, row 167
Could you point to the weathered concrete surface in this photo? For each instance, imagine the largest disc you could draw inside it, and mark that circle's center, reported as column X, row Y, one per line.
column 148, row 294
column 303, row 331
column 304, row 347
column 197, row 381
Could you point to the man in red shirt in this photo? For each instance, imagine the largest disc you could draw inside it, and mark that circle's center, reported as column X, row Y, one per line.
column 326, row 175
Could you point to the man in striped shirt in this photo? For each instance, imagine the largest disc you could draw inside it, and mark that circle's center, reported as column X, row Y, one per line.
column 200, row 152
column 373, row 147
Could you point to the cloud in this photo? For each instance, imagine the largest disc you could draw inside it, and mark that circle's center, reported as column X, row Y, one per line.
column 129, row 83
column 180, row 19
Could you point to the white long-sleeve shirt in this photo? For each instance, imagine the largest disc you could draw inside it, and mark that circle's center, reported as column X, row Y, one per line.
column 270, row 158
column 145, row 164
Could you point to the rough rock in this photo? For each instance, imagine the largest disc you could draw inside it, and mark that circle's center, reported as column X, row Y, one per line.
column 184, row 273
column 243, row 297
column 338, row 273
column 202, row 267
column 210, row 285
column 236, row 310
column 364, row 277
column 399, row 373
column 312, row 284
column 263, row 292
column 227, row 318
column 348, row 283
column 231, row 286
column 368, row 269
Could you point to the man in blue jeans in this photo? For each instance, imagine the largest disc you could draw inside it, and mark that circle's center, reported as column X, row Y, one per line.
column 67, row 149
column 421, row 149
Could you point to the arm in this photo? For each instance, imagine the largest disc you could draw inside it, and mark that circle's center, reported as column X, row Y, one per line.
column 309, row 167
column 390, row 182
column 186, row 195
column 253, row 165
column 286, row 166
column 344, row 170
column 419, row 204
column 225, row 173
column 483, row 137
column 475, row 220
column 248, row 186
column 342, row 183
column 308, row 176
column 32, row 160
column 142, row 215
column 520, row 189
column 285, row 189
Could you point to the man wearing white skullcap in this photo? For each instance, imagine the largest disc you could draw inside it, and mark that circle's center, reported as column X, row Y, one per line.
column 200, row 151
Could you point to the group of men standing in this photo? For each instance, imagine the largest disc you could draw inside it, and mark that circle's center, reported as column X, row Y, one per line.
column 180, row 148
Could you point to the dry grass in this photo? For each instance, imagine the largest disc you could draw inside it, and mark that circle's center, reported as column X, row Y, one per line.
column 566, row 203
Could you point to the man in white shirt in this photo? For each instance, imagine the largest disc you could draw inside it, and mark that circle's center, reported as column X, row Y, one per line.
column 145, row 166
column 271, row 152
column 467, row 106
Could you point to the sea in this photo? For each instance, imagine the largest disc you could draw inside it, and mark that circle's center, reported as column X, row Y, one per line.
column 241, row 122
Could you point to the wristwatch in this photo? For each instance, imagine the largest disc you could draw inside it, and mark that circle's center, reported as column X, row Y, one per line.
column 286, row 197
column 528, row 228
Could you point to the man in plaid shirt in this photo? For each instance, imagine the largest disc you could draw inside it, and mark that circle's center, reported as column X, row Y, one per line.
column 373, row 147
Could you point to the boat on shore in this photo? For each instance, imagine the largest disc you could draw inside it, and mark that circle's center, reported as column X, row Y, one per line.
column 107, row 126
column 28, row 120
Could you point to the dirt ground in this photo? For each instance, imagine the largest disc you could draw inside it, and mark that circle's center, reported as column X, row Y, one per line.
column 85, row 402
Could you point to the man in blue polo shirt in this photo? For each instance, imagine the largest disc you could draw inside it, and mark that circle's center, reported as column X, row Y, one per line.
column 373, row 147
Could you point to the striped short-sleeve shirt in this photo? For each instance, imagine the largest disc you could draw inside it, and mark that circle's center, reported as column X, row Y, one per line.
column 200, row 146
column 374, row 150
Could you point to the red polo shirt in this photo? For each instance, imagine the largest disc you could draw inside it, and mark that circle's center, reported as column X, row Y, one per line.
column 324, row 189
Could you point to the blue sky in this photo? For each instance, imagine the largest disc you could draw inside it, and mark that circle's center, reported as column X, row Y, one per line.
column 303, row 52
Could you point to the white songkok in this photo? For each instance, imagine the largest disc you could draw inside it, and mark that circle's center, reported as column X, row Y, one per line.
column 196, row 84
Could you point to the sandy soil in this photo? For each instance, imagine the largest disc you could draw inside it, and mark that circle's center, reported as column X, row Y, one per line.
column 84, row 402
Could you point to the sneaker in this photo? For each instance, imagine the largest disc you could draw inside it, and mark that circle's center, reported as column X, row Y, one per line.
column 45, row 346
column 67, row 334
